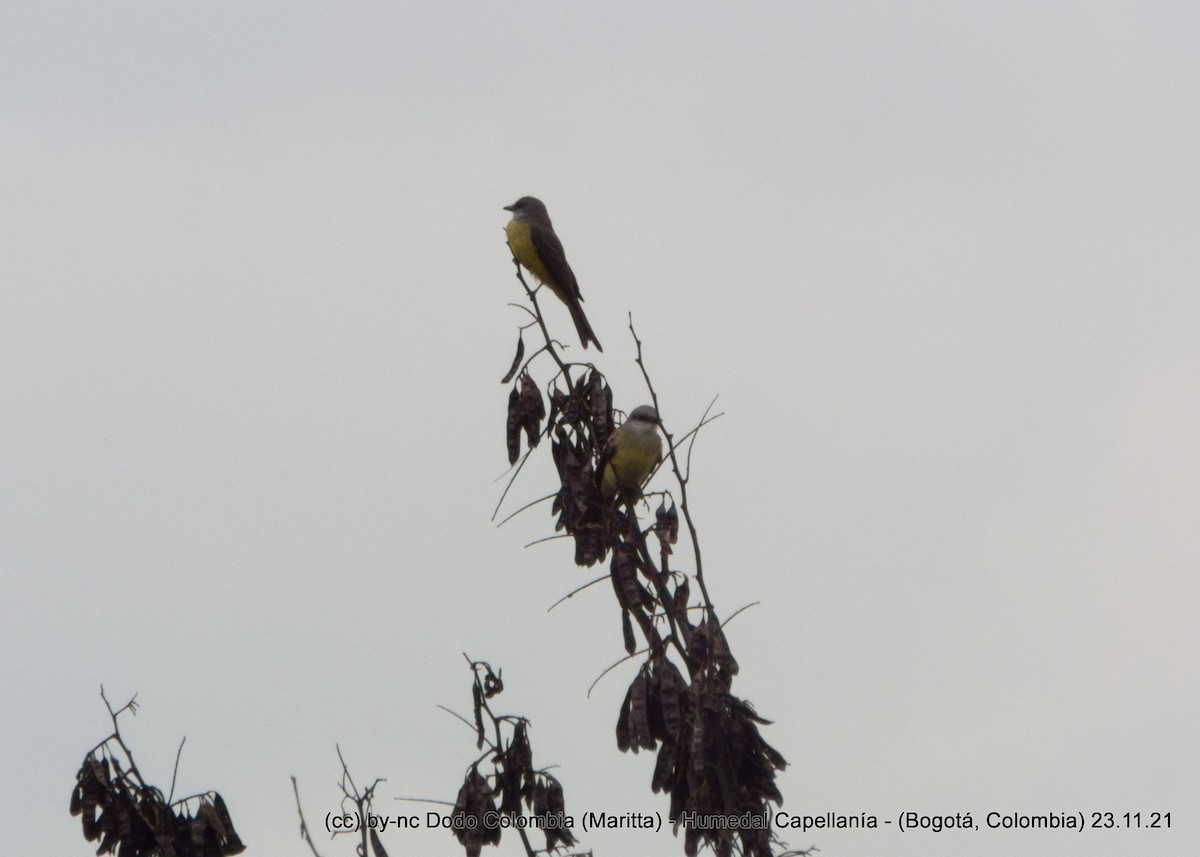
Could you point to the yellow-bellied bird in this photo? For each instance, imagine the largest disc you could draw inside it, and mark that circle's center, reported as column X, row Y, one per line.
column 632, row 452
column 534, row 244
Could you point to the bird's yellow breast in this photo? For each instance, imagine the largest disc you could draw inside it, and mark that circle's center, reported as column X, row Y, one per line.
column 520, row 241
column 634, row 455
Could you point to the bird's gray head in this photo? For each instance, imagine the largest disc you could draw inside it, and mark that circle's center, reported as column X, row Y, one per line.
column 644, row 414
column 529, row 208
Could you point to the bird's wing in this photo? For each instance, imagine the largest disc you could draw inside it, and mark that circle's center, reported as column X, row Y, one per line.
column 550, row 251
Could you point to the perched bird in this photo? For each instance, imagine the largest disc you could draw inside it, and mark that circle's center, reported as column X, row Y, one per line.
column 632, row 452
column 534, row 244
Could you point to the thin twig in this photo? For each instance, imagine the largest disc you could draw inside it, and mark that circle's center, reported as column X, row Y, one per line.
column 512, row 479
column 544, row 539
column 577, row 590
column 491, row 747
column 132, row 707
column 680, row 476
column 426, row 800
column 528, row 505
column 304, row 834
column 734, row 614
column 612, row 667
column 174, row 773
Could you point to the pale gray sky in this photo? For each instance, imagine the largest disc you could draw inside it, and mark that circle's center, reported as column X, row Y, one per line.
column 939, row 261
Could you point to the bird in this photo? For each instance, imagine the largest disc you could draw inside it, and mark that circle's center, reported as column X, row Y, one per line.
column 632, row 451
column 534, row 244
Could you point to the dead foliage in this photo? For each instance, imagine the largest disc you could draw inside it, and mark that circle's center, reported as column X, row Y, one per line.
column 133, row 818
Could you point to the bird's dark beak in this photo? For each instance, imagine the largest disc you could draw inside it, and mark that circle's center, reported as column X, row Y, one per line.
column 510, row 207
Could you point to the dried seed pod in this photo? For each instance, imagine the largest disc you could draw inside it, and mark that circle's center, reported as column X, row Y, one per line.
column 516, row 364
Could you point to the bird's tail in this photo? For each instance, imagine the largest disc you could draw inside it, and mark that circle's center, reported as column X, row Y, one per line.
column 582, row 327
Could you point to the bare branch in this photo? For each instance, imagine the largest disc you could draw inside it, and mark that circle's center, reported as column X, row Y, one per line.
column 680, row 476
column 304, row 834
column 175, row 772
column 576, row 591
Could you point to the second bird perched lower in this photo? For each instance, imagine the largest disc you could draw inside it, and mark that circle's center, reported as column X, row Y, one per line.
column 533, row 243
column 633, row 450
